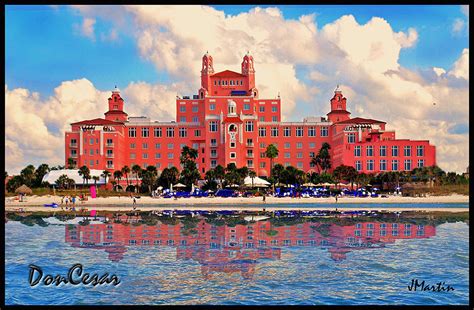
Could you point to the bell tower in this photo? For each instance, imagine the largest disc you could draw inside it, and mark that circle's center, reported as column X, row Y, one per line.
column 249, row 71
column 115, row 112
column 206, row 71
column 338, row 112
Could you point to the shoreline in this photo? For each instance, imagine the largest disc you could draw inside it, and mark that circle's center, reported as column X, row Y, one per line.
column 36, row 203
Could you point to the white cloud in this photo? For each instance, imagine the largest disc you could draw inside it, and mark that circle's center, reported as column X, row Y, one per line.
column 465, row 10
column 461, row 66
column 439, row 71
column 458, row 26
column 87, row 28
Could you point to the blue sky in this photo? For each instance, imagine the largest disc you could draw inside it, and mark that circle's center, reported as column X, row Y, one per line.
column 43, row 47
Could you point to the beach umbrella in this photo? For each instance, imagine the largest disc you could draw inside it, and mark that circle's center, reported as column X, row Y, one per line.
column 179, row 185
column 23, row 190
column 160, row 188
column 326, row 184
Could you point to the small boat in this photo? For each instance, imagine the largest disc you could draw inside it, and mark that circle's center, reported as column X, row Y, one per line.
column 51, row 205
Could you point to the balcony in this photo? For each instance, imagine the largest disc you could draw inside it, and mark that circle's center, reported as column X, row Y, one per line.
column 73, row 145
column 250, row 145
column 250, row 155
column 109, row 145
column 110, row 166
column 73, row 155
column 213, row 155
column 109, row 155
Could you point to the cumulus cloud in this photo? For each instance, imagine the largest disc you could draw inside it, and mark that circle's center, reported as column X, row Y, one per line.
column 87, row 28
column 458, row 25
column 461, row 66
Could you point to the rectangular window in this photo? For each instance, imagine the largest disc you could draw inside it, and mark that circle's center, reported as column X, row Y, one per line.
column 157, row 155
column 394, row 165
column 249, row 142
column 312, row 145
column 157, row 132
column 312, row 154
column 110, row 142
column 262, row 108
column 213, row 163
column 132, row 156
column 182, row 108
column 110, row 153
column 299, row 165
column 157, row 145
column 91, row 152
column 370, row 164
column 262, row 164
column 232, row 155
column 420, row 151
column 287, row 145
column 262, row 118
column 195, row 109
column 263, row 145
column 145, row 155
column 195, row 119
column 324, row 131
column 197, row 132
column 213, row 126
column 311, row 132
column 274, row 119
column 287, row 154
column 299, row 145
column 351, row 138
column 145, row 132
column 299, row 131
column 358, row 165
column 299, row 155
column 274, row 131
column 407, row 151
column 170, row 132
column 262, row 132
column 421, row 163
column 170, row 155
column 132, row 145
column 170, row 146
column 274, row 109
column 250, row 163
column 287, row 131
column 91, row 141
column 213, row 153
column 183, row 132
column 249, row 126
column 212, row 106
column 383, row 165
column 132, row 132
column 213, row 142
column 394, row 150
column 357, row 151
column 263, row 155
column 246, row 106
column 144, row 145
column 407, row 165
column 370, row 150
column 383, row 150
column 182, row 119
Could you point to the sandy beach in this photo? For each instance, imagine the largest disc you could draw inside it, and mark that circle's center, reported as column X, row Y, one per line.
column 35, row 203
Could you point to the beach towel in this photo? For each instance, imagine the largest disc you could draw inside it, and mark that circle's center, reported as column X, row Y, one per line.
column 93, row 192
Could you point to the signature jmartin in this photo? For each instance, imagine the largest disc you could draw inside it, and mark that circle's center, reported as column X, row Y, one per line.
column 422, row 286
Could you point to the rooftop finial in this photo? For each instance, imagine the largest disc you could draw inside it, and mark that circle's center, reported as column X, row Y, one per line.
column 337, row 89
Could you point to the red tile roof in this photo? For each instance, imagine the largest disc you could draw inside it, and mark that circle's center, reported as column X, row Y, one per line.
column 360, row 120
column 228, row 74
column 97, row 122
column 232, row 119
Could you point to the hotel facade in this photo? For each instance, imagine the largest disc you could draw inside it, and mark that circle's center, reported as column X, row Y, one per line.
column 227, row 122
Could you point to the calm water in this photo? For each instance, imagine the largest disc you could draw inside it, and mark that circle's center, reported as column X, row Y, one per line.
column 224, row 261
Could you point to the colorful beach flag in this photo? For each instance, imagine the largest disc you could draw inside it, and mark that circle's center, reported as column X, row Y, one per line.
column 93, row 193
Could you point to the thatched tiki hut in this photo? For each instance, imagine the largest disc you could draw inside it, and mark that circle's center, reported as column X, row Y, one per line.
column 23, row 190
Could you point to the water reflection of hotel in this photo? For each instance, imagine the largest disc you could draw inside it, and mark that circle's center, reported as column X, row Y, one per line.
column 237, row 249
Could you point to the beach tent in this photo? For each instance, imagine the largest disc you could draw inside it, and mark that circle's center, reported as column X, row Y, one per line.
column 257, row 182
column 179, row 185
column 23, row 190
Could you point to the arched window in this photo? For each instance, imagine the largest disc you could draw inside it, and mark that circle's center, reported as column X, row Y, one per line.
column 202, row 95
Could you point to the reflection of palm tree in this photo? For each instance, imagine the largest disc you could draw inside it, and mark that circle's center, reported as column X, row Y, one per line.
column 125, row 171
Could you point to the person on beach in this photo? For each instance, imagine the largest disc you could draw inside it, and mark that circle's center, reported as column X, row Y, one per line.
column 73, row 199
column 264, row 199
column 336, row 199
column 134, row 201
column 66, row 200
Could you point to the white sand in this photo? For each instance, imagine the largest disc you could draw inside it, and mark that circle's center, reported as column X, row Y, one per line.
column 148, row 203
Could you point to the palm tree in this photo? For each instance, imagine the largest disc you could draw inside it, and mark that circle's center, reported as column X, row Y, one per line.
column 271, row 153
column 85, row 173
column 95, row 178
column 252, row 175
column 125, row 171
column 149, row 176
column 117, row 176
column 219, row 173
column 105, row 174
column 323, row 158
column 137, row 169
column 70, row 163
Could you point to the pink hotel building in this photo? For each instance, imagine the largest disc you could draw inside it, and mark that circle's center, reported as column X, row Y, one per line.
column 227, row 122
